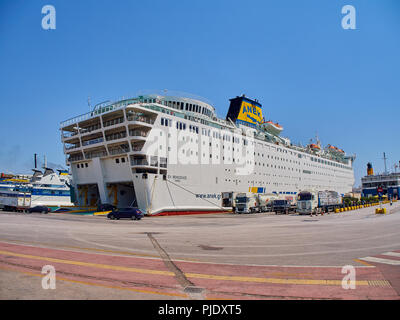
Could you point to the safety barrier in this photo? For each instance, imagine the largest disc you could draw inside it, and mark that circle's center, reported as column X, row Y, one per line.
column 380, row 210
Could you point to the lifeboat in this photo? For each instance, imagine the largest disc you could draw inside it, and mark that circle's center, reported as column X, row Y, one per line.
column 335, row 149
column 272, row 127
column 314, row 147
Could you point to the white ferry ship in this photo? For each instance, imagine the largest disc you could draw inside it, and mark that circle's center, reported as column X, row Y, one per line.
column 170, row 154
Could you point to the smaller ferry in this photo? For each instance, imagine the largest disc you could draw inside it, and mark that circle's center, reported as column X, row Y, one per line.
column 42, row 189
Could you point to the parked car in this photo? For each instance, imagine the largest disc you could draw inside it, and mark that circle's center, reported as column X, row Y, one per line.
column 131, row 213
column 105, row 207
column 41, row 209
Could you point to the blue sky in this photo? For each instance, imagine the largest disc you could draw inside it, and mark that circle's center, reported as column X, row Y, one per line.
column 311, row 75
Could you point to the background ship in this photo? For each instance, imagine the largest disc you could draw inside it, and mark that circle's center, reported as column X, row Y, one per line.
column 19, row 192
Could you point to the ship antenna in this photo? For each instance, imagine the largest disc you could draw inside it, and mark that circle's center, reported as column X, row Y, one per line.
column 317, row 139
column 384, row 160
column 88, row 102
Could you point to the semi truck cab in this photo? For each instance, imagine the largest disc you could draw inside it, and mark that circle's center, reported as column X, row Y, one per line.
column 307, row 202
column 246, row 203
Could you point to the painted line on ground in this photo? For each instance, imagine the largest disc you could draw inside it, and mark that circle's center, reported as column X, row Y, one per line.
column 393, row 254
column 381, row 260
column 101, row 285
column 89, row 264
column 364, row 263
column 52, row 246
column 189, row 275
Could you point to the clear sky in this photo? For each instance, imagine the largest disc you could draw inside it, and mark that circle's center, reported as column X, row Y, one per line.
column 310, row 74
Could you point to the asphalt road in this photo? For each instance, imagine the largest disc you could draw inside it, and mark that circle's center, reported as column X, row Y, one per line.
column 200, row 256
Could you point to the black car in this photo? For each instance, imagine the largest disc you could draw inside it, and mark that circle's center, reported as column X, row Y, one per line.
column 41, row 209
column 105, row 207
column 131, row 213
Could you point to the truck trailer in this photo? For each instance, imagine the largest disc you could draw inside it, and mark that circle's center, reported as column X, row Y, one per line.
column 316, row 202
column 248, row 202
column 15, row 200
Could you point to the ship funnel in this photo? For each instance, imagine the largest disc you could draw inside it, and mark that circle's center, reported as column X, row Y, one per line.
column 245, row 110
column 370, row 171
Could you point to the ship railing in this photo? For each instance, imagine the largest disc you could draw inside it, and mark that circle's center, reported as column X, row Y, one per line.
column 69, row 134
column 75, row 158
column 120, row 150
column 116, row 136
column 140, row 118
column 90, row 142
column 90, row 129
column 96, row 112
column 72, row 146
column 113, row 122
column 91, row 155
column 138, row 133
column 139, row 162
column 137, row 148
column 77, row 119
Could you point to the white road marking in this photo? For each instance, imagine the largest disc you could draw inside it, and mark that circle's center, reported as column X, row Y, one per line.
column 381, row 260
column 393, row 254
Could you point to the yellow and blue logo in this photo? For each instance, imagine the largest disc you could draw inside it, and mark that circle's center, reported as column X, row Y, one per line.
column 250, row 113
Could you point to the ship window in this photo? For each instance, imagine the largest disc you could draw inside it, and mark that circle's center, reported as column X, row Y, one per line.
column 86, row 165
column 123, row 160
column 117, row 160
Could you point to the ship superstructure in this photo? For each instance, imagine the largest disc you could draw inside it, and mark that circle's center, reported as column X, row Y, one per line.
column 171, row 154
column 389, row 182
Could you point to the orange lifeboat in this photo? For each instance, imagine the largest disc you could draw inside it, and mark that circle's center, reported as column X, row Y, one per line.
column 335, row 149
column 314, row 147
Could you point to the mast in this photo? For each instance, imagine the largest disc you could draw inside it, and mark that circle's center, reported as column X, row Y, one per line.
column 384, row 159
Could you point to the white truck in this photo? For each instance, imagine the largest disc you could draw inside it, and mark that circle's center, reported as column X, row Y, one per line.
column 15, row 200
column 315, row 202
column 228, row 200
column 248, row 202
